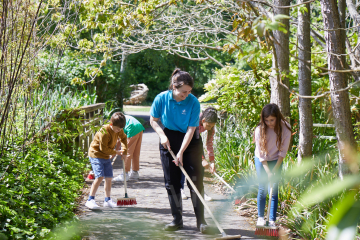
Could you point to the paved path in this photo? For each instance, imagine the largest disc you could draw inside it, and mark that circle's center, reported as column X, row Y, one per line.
column 147, row 219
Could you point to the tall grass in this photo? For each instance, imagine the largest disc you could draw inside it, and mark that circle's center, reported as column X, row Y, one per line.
column 49, row 103
column 234, row 150
column 311, row 222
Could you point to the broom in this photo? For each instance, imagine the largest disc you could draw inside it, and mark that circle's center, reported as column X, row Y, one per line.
column 237, row 201
column 125, row 201
column 224, row 235
column 221, row 179
column 266, row 230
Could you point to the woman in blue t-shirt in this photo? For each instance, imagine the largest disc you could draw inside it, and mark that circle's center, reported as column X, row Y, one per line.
column 179, row 112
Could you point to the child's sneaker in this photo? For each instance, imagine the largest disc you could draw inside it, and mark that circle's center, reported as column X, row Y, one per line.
column 110, row 204
column 207, row 198
column 260, row 221
column 134, row 175
column 183, row 195
column 121, row 178
column 272, row 224
column 92, row 204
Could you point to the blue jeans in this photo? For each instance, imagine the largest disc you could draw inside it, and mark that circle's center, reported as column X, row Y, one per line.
column 263, row 183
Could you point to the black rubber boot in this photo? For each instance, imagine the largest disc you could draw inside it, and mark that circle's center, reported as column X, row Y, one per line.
column 199, row 212
column 176, row 211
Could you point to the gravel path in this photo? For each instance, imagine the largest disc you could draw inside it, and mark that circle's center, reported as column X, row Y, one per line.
column 147, row 219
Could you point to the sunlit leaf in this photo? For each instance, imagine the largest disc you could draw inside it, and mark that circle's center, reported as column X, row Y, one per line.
column 281, row 17
column 320, row 193
column 344, row 217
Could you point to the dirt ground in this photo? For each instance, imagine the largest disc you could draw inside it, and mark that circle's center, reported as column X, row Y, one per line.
column 146, row 220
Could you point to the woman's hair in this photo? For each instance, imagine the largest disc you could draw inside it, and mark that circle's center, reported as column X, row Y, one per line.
column 210, row 115
column 271, row 110
column 180, row 78
column 118, row 120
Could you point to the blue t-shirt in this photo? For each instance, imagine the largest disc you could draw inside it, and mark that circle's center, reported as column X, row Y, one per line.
column 177, row 116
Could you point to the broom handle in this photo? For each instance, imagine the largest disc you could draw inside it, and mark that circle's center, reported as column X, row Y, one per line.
column 233, row 190
column 198, row 194
column 221, row 179
column 124, row 174
column 269, row 205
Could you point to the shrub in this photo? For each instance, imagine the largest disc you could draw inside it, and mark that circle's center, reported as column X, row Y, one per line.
column 39, row 190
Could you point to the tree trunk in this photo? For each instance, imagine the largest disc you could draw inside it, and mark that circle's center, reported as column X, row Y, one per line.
column 121, row 93
column 354, row 54
column 279, row 94
column 304, row 78
column 340, row 99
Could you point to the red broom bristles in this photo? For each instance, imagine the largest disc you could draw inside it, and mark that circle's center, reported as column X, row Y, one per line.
column 126, row 201
column 267, row 232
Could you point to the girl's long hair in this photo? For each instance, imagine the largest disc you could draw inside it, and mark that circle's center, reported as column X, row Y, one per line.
column 271, row 110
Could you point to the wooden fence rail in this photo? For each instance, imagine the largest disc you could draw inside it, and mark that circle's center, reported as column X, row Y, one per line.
column 331, row 138
column 92, row 117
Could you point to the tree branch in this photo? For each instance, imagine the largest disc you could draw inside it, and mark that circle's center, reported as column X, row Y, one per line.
column 221, row 65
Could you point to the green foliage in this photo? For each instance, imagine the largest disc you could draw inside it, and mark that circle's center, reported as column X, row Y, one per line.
column 154, row 69
column 113, row 85
column 67, row 230
column 73, row 73
column 50, row 104
column 237, row 91
column 234, row 150
column 344, row 217
column 320, row 201
column 62, row 98
column 41, row 176
column 70, row 69
column 39, row 190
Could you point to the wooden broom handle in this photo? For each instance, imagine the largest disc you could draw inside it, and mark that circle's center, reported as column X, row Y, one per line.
column 221, row 179
column 198, row 194
column 124, row 175
column 269, row 205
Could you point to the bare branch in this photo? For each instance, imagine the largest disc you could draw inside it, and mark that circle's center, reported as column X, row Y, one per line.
column 221, row 65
